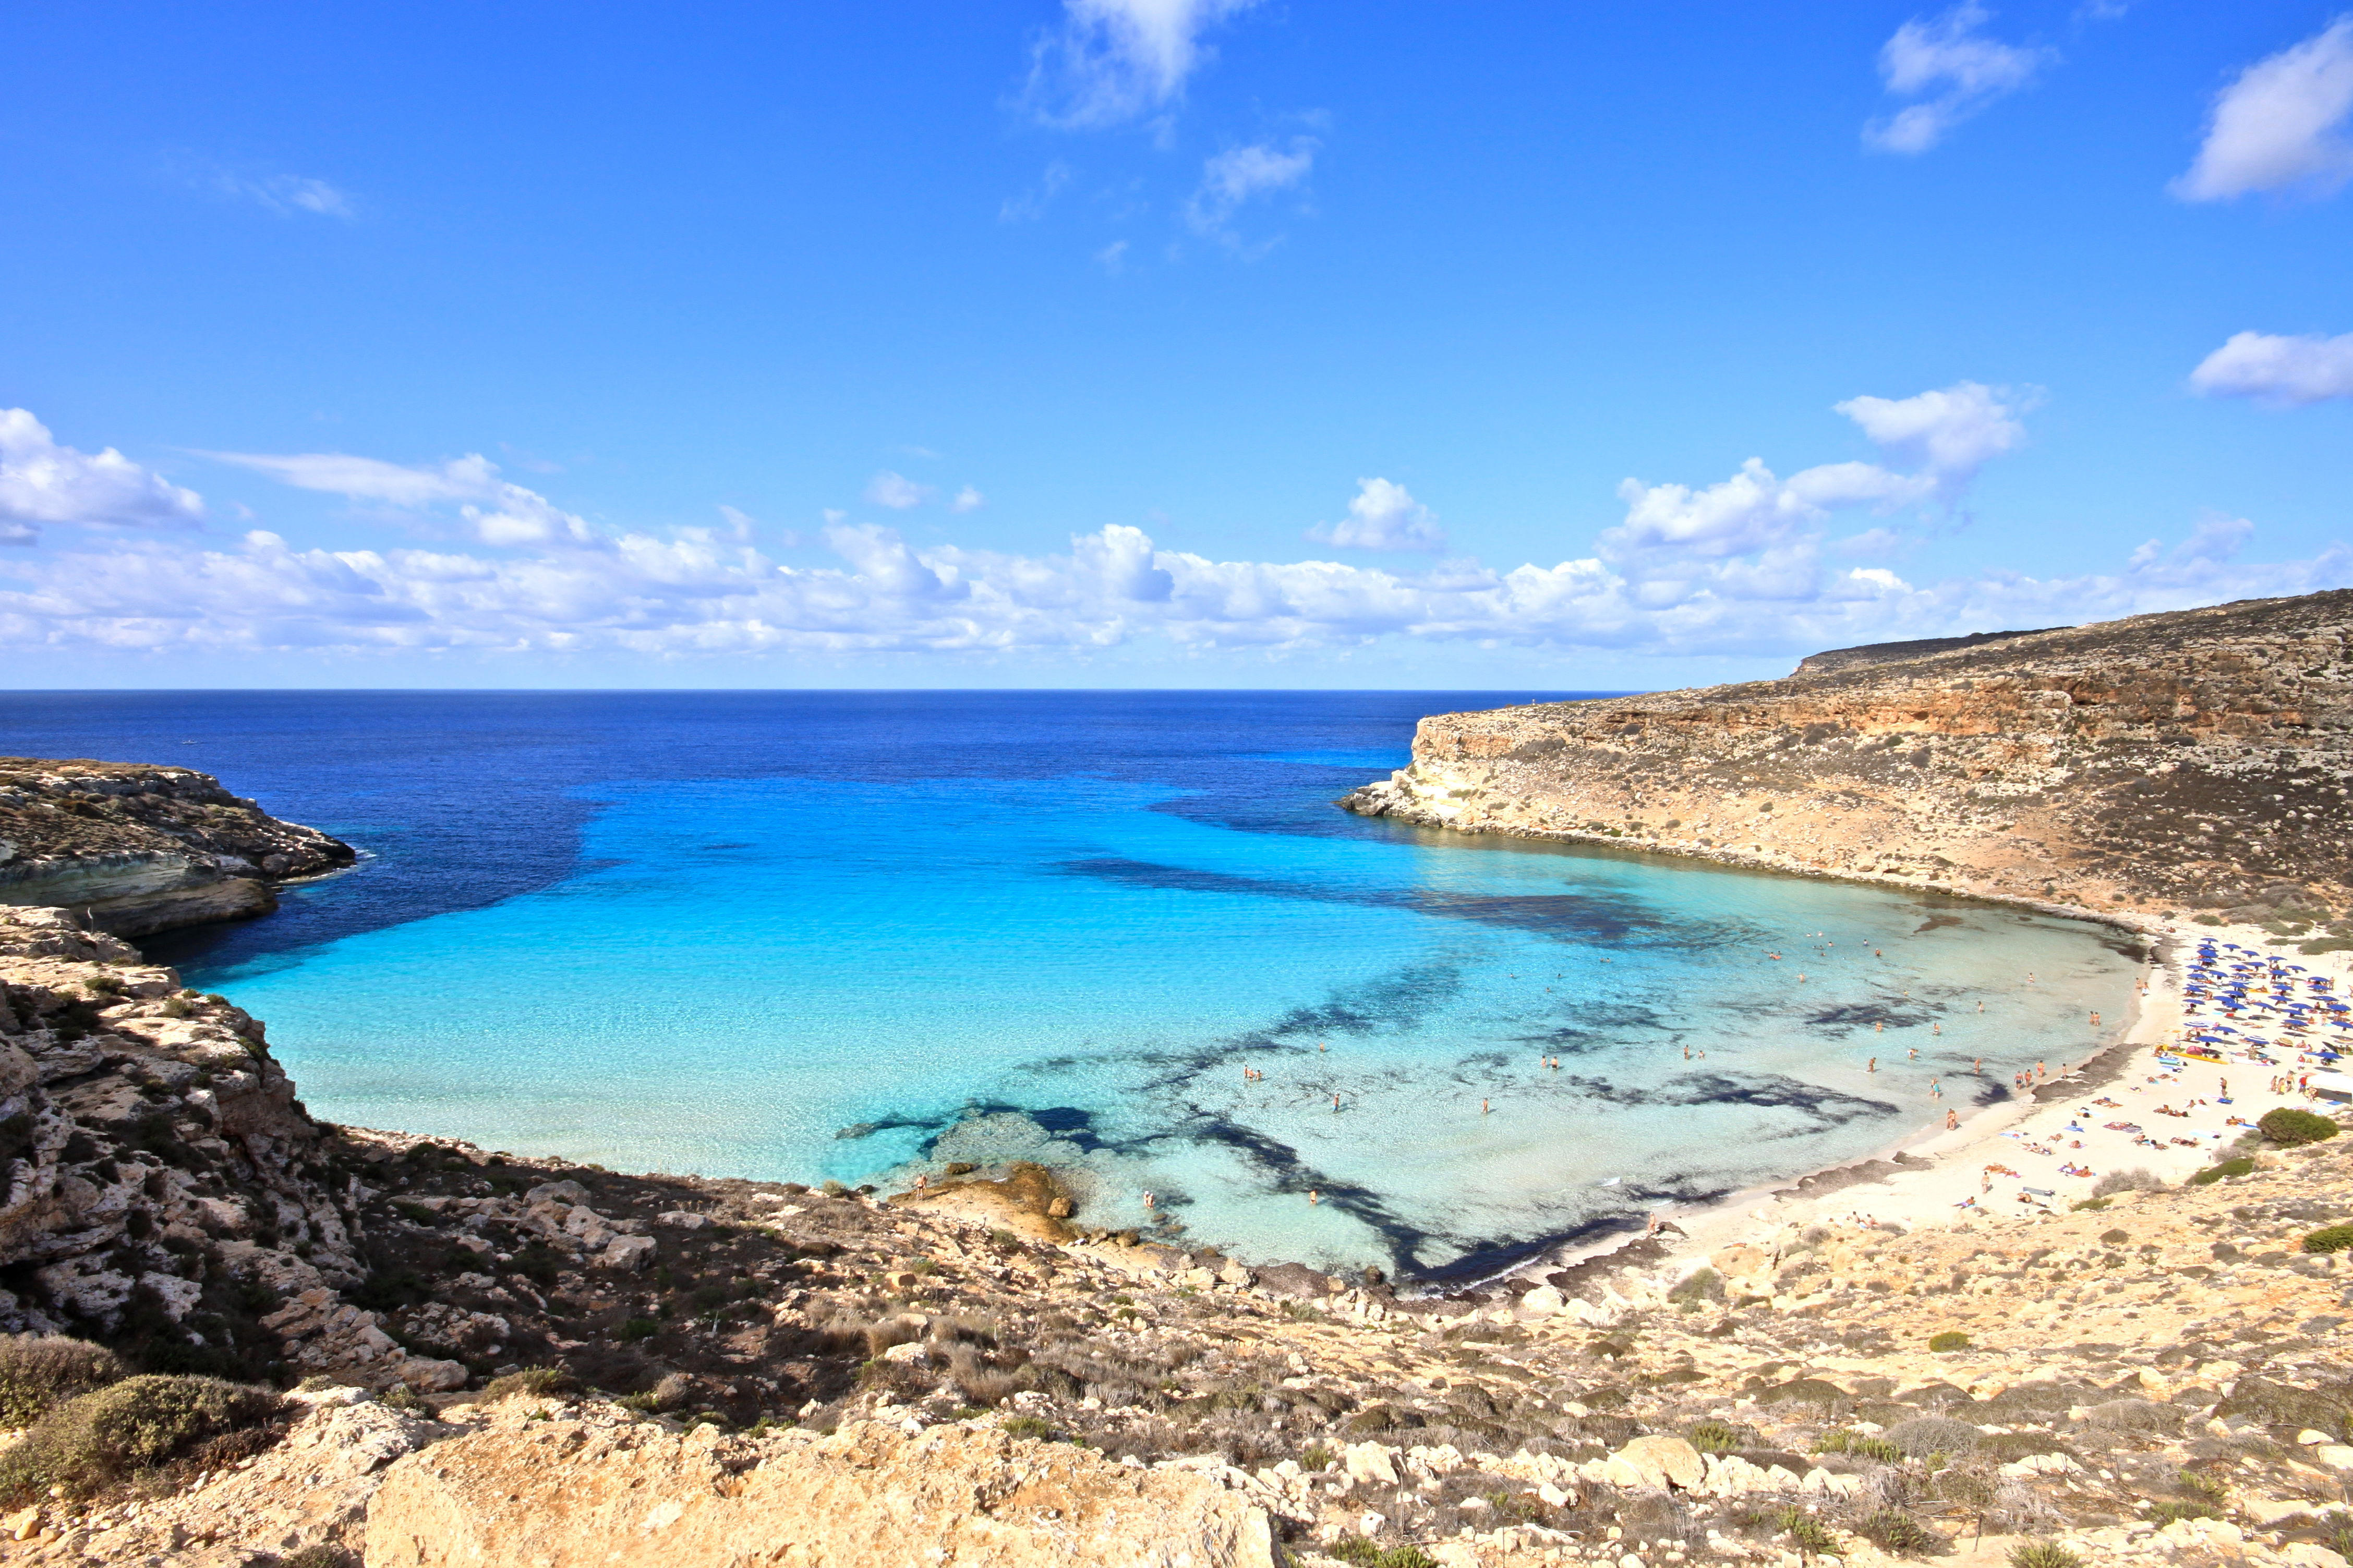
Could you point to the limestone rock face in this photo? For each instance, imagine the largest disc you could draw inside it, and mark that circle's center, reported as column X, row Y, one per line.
column 155, row 1166
column 589, row 1489
column 136, row 849
column 2197, row 758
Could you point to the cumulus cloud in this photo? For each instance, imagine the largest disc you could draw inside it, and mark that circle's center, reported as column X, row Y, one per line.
column 2281, row 124
column 1240, row 174
column 1953, row 68
column 1947, row 435
column 1111, row 61
column 968, row 498
column 2279, row 370
column 496, row 511
column 1383, row 516
column 1740, row 566
column 896, row 491
column 43, row 482
column 1950, row 433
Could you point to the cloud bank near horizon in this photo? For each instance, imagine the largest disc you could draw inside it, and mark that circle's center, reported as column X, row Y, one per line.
column 1748, row 564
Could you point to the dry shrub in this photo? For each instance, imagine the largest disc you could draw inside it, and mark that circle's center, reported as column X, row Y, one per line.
column 542, row 1381
column 99, row 1439
column 38, row 1371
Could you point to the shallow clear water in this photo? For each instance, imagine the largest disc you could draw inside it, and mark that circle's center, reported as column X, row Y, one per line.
column 814, row 936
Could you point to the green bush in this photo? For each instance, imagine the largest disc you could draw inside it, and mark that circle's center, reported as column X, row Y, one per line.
column 99, row 1439
column 1950, row 1340
column 38, row 1371
column 637, row 1329
column 1720, row 1437
column 2290, row 1126
column 2213, row 1174
column 1026, row 1427
column 1893, row 1530
column 2043, row 1554
column 1809, row 1534
column 1365, row 1553
column 542, row 1381
column 1845, row 1442
column 2115, row 1237
column 2165, row 1514
column 2329, row 1238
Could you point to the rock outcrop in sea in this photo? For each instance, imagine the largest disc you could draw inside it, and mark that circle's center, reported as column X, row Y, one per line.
column 2193, row 761
column 136, row 849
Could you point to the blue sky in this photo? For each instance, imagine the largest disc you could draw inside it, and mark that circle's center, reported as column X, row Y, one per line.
column 1155, row 342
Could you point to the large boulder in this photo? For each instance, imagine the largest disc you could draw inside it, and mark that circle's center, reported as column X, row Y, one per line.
column 593, row 1490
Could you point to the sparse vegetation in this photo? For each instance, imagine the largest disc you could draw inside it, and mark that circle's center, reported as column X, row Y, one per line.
column 104, row 1438
column 2215, row 1173
column 539, row 1382
column 2329, row 1238
column 2043, row 1554
column 38, row 1373
column 1950, row 1340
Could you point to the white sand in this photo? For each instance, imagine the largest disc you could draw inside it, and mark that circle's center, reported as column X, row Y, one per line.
column 2034, row 1139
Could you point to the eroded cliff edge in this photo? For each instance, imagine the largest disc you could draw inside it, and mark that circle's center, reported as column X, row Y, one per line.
column 2187, row 761
column 136, row 849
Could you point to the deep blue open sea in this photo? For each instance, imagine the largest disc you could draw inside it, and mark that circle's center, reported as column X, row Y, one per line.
column 805, row 936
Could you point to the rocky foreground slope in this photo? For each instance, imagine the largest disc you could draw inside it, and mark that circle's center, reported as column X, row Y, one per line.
column 139, row 849
column 496, row 1361
column 2190, row 761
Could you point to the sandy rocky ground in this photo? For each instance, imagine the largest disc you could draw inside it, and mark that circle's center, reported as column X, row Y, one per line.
column 497, row 1359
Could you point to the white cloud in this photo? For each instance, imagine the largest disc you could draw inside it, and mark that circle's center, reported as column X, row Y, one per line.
column 42, row 482
column 1740, row 566
column 286, row 194
column 1240, row 174
column 1113, row 257
column 968, row 498
column 1111, row 61
column 1949, row 57
column 2281, row 123
column 496, row 511
column 896, row 491
column 1383, row 516
column 1950, row 433
column 2282, row 370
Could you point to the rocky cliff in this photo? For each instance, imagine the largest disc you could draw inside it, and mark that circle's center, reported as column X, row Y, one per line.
column 2194, row 760
column 139, row 849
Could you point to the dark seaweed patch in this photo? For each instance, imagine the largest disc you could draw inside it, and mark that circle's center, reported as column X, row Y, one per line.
column 1841, row 1021
column 1580, row 917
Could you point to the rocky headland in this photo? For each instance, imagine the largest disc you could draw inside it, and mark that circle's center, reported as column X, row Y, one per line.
column 135, row 849
column 2193, row 761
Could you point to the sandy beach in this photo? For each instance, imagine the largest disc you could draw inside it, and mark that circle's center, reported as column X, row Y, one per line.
column 2001, row 1166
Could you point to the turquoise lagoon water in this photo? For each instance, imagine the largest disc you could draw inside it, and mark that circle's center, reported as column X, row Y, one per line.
column 1066, row 937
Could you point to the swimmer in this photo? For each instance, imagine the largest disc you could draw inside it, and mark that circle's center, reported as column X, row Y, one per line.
column 1915, row 1054
column 1952, row 1119
column 1482, row 1108
column 1872, row 1066
column 1312, row 1197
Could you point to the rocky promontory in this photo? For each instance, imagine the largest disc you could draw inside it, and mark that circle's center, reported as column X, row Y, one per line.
column 2197, row 760
column 137, row 849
